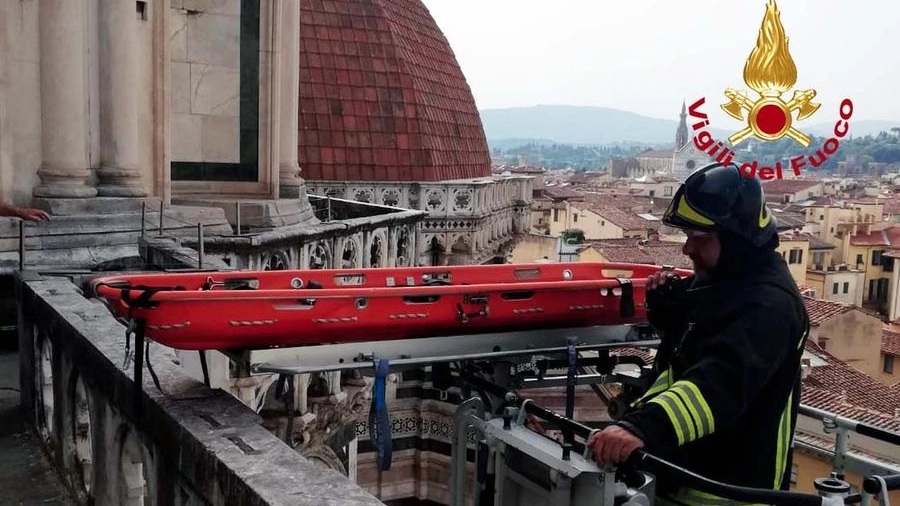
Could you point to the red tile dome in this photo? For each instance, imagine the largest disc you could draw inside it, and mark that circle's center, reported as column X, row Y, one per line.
column 382, row 97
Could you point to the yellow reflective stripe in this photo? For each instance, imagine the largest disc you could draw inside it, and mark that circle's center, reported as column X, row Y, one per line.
column 678, row 415
column 698, row 406
column 690, row 420
column 764, row 216
column 783, row 442
column 803, row 338
column 661, row 383
column 688, row 212
column 700, row 426
column 693, row 497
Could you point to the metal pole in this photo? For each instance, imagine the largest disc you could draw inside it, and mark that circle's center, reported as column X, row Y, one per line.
column 143, row 218
column 841, row 447
column 462, row 420
column 200, row 245
column 22, row 245
column 237, row 212
column 328, row 208
column 160, row 218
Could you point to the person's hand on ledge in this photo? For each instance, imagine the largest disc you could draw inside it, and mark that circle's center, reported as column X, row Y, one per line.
column 29, row 214
column 26, row 213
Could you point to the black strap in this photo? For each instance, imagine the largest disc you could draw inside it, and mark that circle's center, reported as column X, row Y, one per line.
column 626, row 303
column 147, row 292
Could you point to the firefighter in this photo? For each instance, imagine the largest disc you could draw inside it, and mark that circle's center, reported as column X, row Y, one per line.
column 724, row 403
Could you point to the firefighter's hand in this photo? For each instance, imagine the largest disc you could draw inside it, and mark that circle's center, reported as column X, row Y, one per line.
column 613, row 445
column 664, row 294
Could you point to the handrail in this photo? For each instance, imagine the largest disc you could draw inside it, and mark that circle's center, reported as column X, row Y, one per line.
column 854, row 425
column 656, row 465
column 873, row 484
column 645, row 461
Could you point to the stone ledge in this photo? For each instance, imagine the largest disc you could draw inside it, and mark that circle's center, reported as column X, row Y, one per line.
column 95, row 205
column 231, row 461
column 257, row 213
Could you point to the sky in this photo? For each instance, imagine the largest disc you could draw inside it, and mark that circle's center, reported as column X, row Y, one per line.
column 647, row 56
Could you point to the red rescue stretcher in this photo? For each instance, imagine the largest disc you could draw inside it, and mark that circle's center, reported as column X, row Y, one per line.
column 264, row 309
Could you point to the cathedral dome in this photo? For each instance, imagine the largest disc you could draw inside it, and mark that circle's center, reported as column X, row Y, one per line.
column 382, row 97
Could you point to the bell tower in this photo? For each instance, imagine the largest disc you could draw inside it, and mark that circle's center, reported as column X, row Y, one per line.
column 681, row 135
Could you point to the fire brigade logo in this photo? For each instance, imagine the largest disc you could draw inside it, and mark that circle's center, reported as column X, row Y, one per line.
column 770, row 72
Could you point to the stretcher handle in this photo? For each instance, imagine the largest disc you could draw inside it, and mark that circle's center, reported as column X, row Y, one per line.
column 873, row 485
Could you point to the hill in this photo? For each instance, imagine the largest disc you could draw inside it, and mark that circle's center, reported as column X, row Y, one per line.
column 860, row 128
column 567, row 124
column 577, row 125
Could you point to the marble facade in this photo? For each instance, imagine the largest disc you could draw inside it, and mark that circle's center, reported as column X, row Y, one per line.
column 119, row 99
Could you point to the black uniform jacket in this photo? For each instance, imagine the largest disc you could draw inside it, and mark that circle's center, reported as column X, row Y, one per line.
column 725, row 402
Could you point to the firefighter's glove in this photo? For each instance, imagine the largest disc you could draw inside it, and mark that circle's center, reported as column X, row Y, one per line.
column 665, row 302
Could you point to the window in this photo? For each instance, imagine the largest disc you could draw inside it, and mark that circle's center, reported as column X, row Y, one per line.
column 652, row 193
column 876, row 257
column 821, row 216
column 888, row 365
column 575, row 217
column 796, row 256
column 818, row 258
column 834, row 289
column 555, row 215
column 846, row 287
column 602, row 223
column 859, row 259
column 668, row 191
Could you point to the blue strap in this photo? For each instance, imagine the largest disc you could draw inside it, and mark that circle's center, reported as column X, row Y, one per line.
column 379, row 419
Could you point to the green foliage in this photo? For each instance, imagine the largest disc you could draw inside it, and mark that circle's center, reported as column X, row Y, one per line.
column 882, row 148
column 562, row 156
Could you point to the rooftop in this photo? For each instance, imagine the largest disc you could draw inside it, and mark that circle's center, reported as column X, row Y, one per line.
column 623, row 219
column 839, row 388
column 561, row 193
column 889, row 236
column 814, row 242
column 651, row 252
column 785, row 186
column 890, row 342
column 820, row 310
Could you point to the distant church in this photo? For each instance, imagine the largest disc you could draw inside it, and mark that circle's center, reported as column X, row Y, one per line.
column 679, row 163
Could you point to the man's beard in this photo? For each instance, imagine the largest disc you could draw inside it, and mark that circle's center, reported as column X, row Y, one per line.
column 702, row 272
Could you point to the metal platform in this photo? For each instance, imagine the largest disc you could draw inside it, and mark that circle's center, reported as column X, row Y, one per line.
column 420, row 352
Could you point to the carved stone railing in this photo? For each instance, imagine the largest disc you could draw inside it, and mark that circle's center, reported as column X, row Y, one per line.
column 116, row 443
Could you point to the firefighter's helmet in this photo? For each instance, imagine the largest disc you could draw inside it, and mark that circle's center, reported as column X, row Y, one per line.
column 718, row 197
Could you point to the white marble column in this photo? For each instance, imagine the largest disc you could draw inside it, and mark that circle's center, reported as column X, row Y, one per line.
column 65, row 108
column 119, row 73
column 290, row 183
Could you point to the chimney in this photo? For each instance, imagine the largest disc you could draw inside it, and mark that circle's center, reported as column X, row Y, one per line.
column 805, row 368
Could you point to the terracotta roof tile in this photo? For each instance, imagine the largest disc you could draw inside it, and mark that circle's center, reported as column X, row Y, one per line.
column 820, row 310
column 561, row 192
column 624, row 201
column 382, row 96
column 890, row 343
column 892, row 206
column 814, row 242
column 783, row 186
column 621, row 218
column 839, row 388
column 653, row 252
column 874, row 238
